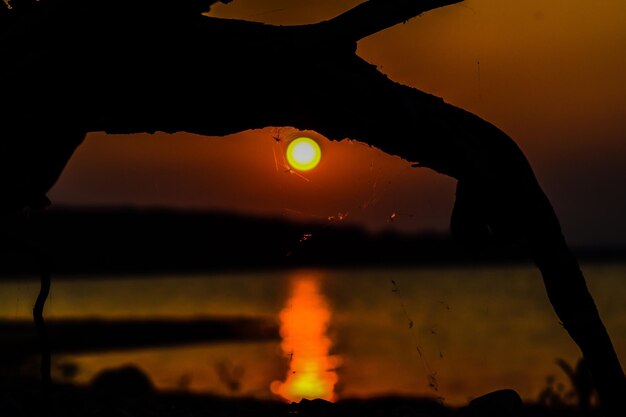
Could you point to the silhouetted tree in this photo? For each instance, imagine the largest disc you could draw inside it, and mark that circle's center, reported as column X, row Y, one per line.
column 125, row 66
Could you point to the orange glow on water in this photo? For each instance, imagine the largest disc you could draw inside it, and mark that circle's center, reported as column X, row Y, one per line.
column 304, row 325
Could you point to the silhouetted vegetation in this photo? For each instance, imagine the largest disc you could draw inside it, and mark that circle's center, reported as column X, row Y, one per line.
column 99, row 241
column 580, row 393
column 143, row 241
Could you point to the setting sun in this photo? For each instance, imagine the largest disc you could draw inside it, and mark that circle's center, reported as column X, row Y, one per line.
column 303, row 154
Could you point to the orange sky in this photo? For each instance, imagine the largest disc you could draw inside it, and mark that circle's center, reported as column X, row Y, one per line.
column 550, row 74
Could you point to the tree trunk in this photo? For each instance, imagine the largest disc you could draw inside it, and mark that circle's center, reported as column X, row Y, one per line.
column 161, row 65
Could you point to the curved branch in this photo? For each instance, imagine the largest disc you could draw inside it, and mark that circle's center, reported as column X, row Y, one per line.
column 376, row 15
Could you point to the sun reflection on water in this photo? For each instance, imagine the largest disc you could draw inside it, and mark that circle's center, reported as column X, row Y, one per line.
column 304, row 326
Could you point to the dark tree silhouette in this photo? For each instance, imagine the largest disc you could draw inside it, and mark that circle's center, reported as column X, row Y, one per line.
column 124, row 66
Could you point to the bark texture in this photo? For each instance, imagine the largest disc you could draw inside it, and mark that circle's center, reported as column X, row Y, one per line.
column 72, row 66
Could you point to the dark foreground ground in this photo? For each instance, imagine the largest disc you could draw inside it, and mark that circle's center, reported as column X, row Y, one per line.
column 25, row 398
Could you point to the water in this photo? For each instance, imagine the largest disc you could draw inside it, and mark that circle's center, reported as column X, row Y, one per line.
column 453, row 333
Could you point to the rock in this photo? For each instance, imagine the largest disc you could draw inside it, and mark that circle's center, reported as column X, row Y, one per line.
column 502, row 403
column 10, row 407
column 317, row 407
column 127, row 381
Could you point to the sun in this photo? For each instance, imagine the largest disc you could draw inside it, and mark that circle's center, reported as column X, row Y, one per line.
column 303, row 154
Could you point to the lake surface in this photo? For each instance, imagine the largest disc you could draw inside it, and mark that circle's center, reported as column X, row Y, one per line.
column 453, row 333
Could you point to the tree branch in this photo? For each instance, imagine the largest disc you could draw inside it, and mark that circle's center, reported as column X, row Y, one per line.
column 376, row 15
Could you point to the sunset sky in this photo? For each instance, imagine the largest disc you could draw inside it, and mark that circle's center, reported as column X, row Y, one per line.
column 551, row 74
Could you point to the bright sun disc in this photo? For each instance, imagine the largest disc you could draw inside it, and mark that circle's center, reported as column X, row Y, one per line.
column 303, row 154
